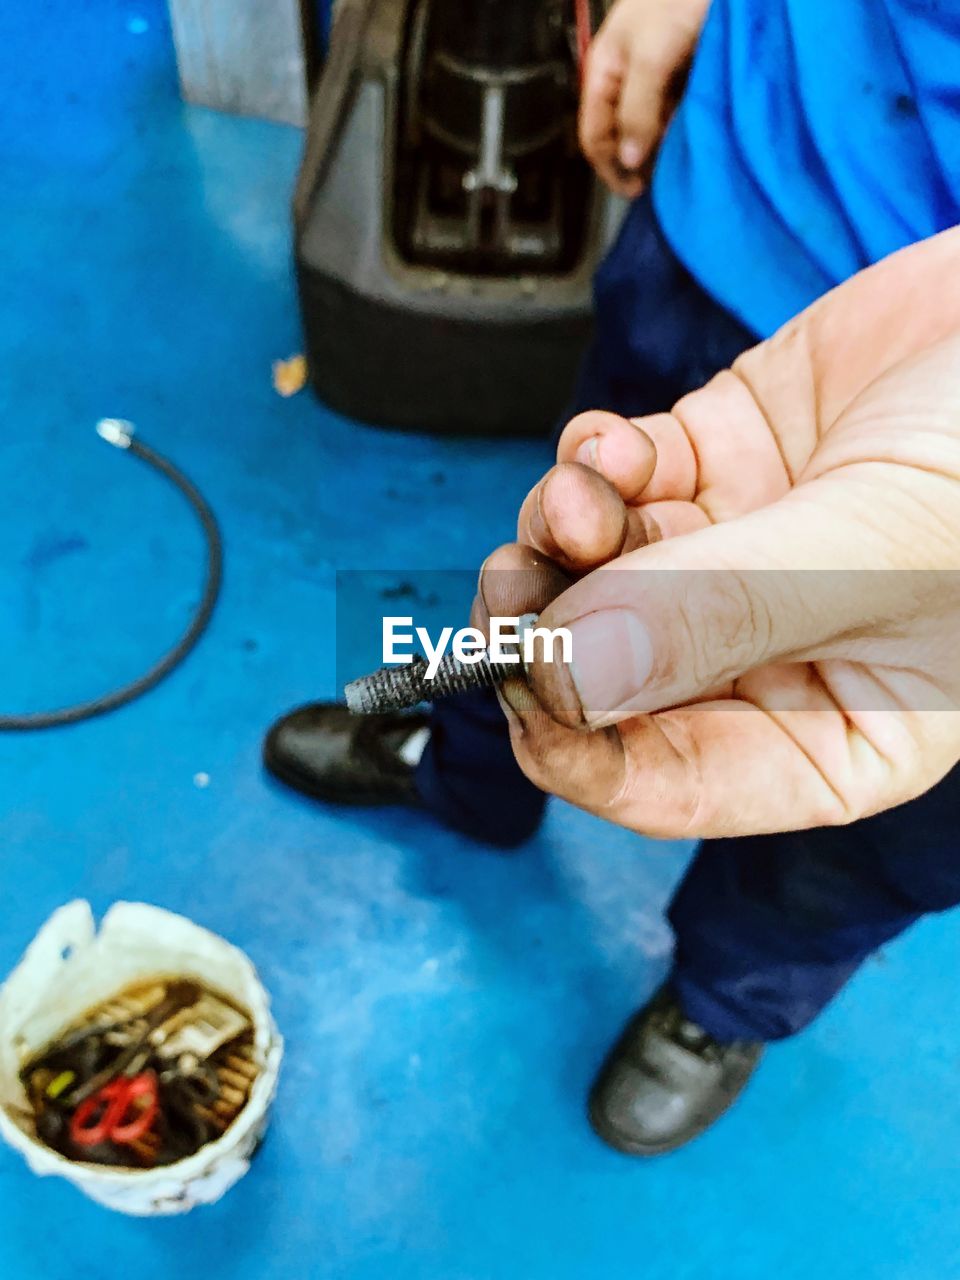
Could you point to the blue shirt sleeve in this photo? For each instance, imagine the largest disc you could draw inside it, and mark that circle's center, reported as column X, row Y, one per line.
column 814, row 138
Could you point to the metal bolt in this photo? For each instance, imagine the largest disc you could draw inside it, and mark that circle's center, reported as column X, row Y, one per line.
column 399, row 688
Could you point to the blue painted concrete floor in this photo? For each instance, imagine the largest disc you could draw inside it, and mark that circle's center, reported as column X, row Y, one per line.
column 444, row 1007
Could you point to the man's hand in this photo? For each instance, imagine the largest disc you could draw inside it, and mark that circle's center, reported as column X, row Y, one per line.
column 772, row 644
column 634, row 69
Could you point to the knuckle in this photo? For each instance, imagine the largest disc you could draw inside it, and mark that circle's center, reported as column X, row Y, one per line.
column 832, row 811
column 729, row 626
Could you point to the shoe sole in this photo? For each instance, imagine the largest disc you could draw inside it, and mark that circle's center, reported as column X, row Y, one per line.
column 613, row 1138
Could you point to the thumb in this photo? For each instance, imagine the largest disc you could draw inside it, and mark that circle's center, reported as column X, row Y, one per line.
column 667, row 624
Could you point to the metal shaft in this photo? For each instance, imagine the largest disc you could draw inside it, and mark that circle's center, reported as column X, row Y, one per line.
column 399, row 688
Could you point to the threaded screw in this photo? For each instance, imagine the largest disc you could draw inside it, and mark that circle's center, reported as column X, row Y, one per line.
column 399, row 688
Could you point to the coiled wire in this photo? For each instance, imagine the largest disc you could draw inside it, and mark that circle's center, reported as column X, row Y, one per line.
column 120, row 434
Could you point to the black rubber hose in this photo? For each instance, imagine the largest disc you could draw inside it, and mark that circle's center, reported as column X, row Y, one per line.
column 120, row 434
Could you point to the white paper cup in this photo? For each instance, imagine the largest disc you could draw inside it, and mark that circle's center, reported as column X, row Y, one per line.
column 70, row 968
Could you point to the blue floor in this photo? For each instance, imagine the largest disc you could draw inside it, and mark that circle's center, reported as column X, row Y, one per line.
column 444, row 1007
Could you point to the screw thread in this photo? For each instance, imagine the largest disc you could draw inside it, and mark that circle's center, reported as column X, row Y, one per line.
column 399, row 688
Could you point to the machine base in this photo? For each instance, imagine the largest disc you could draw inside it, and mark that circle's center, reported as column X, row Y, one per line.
column 381, row 364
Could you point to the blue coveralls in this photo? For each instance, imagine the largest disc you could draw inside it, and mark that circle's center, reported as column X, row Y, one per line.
column 768, row 928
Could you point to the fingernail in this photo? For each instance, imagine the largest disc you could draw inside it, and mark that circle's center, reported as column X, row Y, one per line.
column 612, row 660
column 513, row 720
column 516, row 702
column 630, row 154
column 588, row 453
column 540, row 532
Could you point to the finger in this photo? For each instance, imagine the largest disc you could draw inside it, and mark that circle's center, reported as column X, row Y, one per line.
column 577, row 519
column 612, row 174
column 639, row 111
column 603, row 77
column 671, row 519
column 711, row 770
column 516, row 580
column 618, row 449
column 785, row 735
column 723, row 767
column 622, row 449
column 597, row 124
column 587, row 769
column 660, row 626
column 717, row 447
column 625, row 184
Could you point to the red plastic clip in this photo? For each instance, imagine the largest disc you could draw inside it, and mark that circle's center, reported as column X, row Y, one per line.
column 121, row 1112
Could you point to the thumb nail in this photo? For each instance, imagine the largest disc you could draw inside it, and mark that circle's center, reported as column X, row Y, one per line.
column 517, row 703
column 630, row 154
column 588, row 455
column 612, row 660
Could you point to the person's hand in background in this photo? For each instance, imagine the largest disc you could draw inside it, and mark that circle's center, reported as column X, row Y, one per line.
column 635, row 66
column 726, row 678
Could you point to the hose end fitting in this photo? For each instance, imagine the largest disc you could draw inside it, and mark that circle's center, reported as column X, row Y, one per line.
column 116, row 431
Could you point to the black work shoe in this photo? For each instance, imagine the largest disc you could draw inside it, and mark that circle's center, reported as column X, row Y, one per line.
column 666, row 1080
column 325, row 752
